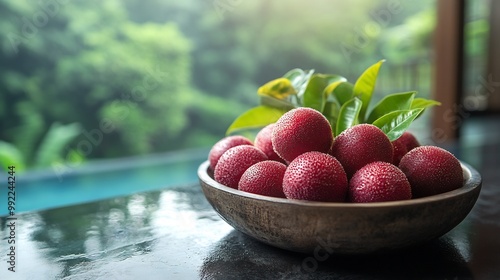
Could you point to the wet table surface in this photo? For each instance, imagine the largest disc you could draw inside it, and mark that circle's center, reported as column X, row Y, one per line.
column 175, row 234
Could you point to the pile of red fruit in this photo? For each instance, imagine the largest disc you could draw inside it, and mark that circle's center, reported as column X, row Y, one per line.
column 299, row 158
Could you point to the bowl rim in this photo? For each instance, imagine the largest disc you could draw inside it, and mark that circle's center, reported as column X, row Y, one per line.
column 472, row 181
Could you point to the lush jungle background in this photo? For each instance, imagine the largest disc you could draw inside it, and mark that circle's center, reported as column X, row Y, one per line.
column 83, row 80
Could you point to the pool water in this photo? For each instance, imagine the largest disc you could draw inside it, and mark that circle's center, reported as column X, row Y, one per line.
column 105, row 179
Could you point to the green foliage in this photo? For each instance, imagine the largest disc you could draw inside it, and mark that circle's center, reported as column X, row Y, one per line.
column 393, row 114
column 50, row 150
column 365, row 85
column 93, row 66
column 54, row 142
column 411, row 38
column 348, row 115
column 256, row 117
column 331, row 112
column 279, row 88
column 10, row 156
column 317, row 90
column 341, row 92
column 393, row 102
column 423, row 103
column 395, row 123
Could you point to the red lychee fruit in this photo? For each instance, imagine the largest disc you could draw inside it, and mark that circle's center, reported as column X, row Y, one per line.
column 400, row 150
column 431, row 170
column 359, row 145
column 405, row 143
column 315, row 176
column 264, row 143
column 264, row 178
column 301, row 130
column 223, row 145
column 377, row 182
column 409, row 140
column 234, row 162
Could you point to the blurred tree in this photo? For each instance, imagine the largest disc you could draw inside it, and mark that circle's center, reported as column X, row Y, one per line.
column 127, row 84
column 152, row 76
column 250, row 42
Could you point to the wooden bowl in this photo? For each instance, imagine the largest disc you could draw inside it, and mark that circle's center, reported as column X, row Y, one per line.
column 343, row 228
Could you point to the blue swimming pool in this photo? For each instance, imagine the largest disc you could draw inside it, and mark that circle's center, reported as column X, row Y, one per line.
column 105, row 179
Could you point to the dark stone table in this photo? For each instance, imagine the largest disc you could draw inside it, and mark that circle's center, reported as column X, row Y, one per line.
column 175, row 234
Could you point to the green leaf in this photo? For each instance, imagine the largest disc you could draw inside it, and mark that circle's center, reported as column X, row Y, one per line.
column 394, row 124
column 341, row 91
column 299, row 79
column 424, row 104
column 390, row 103
column 276, row 103
column 11, row 156
column 365, row 85
column 314, row 93
column 295, row 76
column 330, row 88
column 331, row 112
column 256, row 117
column 348, row 116
column 279, row 88
column 54, row 143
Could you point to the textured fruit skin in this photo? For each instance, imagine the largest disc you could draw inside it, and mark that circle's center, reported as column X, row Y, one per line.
column 264, row 143
column 264, row 178
column 223, row 145
column 399, row 149
column 359, row 145
column 402, row 145
column 234, row 162
column 409, row 140
column 301, row 130
column 431, row 170
column 315, row 176
column 377, row 182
